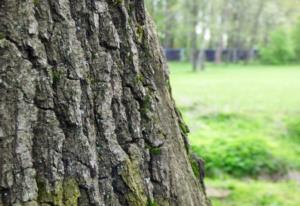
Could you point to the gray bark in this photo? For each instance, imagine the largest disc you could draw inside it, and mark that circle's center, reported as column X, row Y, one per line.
column 86, row 114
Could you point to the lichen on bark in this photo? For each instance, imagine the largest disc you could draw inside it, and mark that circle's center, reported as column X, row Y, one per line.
column 86, row 112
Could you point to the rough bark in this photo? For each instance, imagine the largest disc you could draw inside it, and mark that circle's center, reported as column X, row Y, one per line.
column 86, row 114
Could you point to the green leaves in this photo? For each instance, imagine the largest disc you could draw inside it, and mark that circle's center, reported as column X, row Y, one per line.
column 279, row 50
column 238, row 157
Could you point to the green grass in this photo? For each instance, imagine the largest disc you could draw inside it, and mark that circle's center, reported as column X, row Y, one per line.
column 238, row 88
column 232, row 108
column 256, row 193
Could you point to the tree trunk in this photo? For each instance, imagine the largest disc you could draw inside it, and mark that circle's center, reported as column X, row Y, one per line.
column 169, row 22
column 254, row 32
column 86, row 114
column 222, row 30
column 201, row 59
column 194, row 51
column 194, row 36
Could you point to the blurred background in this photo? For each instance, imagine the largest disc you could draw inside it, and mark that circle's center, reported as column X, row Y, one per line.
column 235, row 75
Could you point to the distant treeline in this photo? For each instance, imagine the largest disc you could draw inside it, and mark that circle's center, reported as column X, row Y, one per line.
column 271, row 27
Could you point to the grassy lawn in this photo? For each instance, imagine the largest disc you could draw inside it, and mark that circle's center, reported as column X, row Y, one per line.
column 257, row 193
column 245, row 122
column 238, row 88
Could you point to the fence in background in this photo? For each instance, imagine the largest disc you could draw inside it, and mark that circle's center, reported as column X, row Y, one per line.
column 175, row 54
column 228, row 55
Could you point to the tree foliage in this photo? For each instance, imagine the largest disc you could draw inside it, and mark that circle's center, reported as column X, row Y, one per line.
column 296, row 39
column 279, row 50
column 221, row 24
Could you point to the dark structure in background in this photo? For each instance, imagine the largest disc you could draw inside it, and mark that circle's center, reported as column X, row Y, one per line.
column 174, row 54
column 228, row 55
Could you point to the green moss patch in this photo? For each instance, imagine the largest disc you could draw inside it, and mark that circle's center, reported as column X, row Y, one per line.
column 64, row 193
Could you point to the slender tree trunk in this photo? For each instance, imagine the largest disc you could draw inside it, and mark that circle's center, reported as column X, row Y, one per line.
column 201, row 59
column 86, row 114
column 194, row 56
column 194, row 36
column 169, row 24
column 219, row 51
column 235, row 57
column 222, row 30
column 194, row 51
column 254, row 32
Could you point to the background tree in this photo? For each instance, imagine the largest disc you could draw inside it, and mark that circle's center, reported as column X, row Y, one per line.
column 222, row 20
column 296, row 39
column 279, row 50
column 86, row 114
